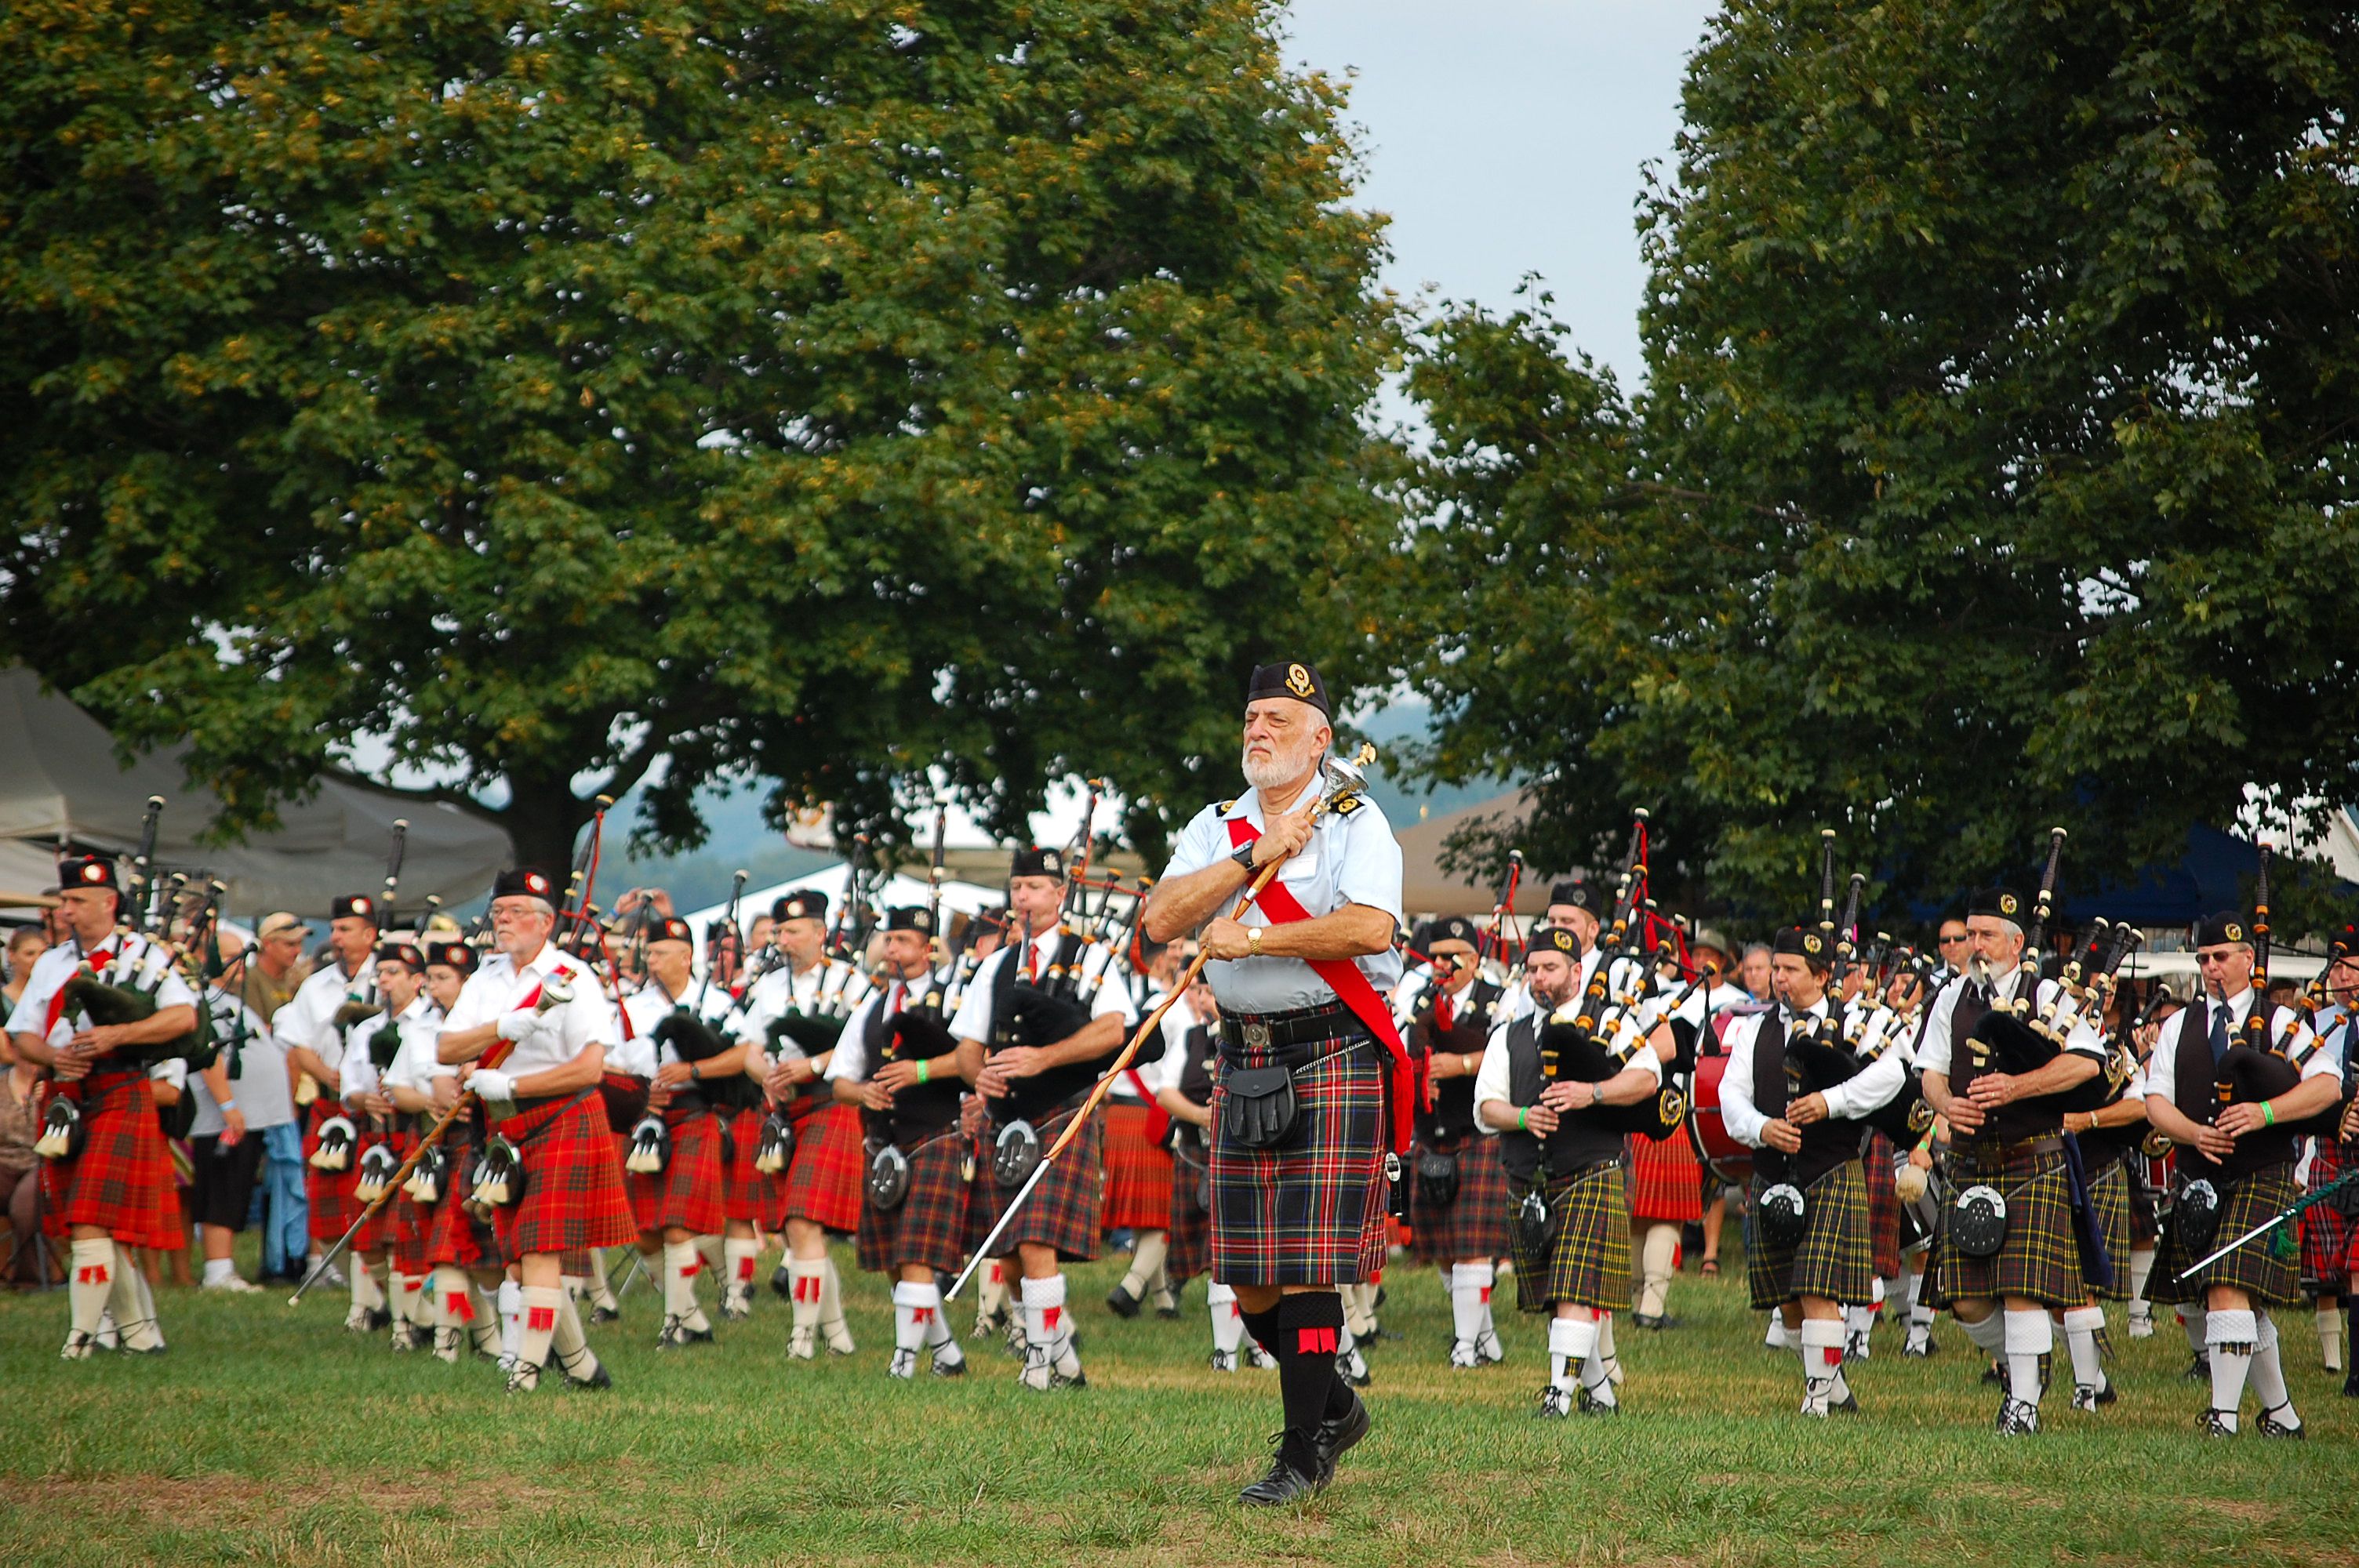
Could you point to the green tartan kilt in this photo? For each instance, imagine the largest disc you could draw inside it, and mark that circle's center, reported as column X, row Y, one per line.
column 2268, row 1268
column 2109, row 1199
column 1587, row 1261
column 1835, row 1259
column 2039, row 1261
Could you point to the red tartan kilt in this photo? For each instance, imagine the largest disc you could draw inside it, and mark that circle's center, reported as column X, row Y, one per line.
column 574, row 1196
column 749, row 1195
column 333, row 1205
column 455, row 1235
column 1137, row 1173
column 409, row 1235
column 1883, row 1206
column 1666, row 1183
column 121, row 1183
column 687, row 1192
column 385, row 1230
column 1063, row 1211
column 933, row 1223
column 824, row 1177
column 2326, row 1236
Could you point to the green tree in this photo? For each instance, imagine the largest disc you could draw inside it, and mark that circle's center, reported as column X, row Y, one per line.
column 1995, row 461
column 584, row 395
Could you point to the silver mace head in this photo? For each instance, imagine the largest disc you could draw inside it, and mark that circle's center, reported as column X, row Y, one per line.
column 1341, row 774
column 554, row 992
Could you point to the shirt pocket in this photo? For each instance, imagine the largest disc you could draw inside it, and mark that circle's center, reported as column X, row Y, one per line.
column 1301, row 868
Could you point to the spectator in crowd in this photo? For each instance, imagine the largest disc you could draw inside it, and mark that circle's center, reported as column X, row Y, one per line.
column 241, row 1098
column 26, row 944
column 53, row 919
column 1952, row 946
column 20, row 1168
column 1753, row 972
column 275, row 968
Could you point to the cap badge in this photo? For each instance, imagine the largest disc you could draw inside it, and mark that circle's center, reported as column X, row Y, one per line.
column 2236, row 932
column 2007, row 903
column 1811, row 944
column 93, row 873
column 1298, row 681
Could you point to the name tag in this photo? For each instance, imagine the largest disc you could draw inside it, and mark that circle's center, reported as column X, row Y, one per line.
column 1302, row 867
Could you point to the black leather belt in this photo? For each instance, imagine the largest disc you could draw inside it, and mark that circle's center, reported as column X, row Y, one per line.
column 1275, row 1031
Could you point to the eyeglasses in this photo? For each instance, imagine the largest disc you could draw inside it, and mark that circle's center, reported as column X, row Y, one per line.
column 1953, row 941
column 2218, row 955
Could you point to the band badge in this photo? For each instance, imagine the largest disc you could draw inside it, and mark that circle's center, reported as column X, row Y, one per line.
column 1053, row 863
column 2236, row 932
column 2008, row 903
column 1298, row 681
column 93, row 873
column 1813, row 945
column 536, row 884
column 1921, row 1117
column 361, row 904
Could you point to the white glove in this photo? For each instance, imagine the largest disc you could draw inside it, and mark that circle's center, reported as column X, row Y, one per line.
column 517, row 1022
column 490, row 1083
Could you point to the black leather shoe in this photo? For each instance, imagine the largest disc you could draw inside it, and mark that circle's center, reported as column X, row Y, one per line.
column 1286, row 1482
column 1121, row 1303
column 1339, row 1433
column 2269, row 1426
column 599, row 1377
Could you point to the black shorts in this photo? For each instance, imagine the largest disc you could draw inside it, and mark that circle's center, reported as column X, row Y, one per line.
column 220, row 1190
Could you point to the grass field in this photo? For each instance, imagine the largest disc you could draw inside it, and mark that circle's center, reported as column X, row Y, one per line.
column 270, row 1435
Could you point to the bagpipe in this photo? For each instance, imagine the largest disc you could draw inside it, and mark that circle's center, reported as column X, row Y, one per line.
column 2007, row 1039
column 1595, row 1037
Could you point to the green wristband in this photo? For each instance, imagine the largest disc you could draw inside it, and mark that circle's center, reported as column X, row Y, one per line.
column 2268, row 1114
column 925, row 1071
column 1520, row 1115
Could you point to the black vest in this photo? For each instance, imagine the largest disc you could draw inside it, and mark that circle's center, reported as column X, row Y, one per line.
column 1825, row 1144
column 921, row 1110
column 1578, row 1141
column 1044, row 1093
column 2199, row 1089
column 2017, row 1121
column 1452, row 1116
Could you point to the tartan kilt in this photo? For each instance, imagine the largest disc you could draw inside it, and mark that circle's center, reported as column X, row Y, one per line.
column 1138, row 1172
column 2039, row 1260
column 929, row 1228
column 2146, row 1225
column 574, row 1196
column 2326, row 1236
column 122, row 1180
column 456, row 1235
column 1666, row 1181
column 2265, row 1269
column 687, row 1192
column 2109, row 1201
column 333, row 1207
column 1063, row 1210
column 385, row 1230
column 1474, row 1224
column 409, row 1234
column 1588, row 1257
column 1882, row 1206
column 748, row 1195
column 1311, row 1212
column 1834, row 1260
column 1191, row 1224
column 823, row 1178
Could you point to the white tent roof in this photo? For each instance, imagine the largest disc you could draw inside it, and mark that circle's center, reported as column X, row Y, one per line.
column 965, row 898
column 59, row 783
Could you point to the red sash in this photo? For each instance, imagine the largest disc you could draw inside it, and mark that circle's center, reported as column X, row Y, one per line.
column 1351, row 988
column 58, row 998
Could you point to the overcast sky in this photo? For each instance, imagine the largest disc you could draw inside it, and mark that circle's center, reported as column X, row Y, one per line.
column 1506, row 138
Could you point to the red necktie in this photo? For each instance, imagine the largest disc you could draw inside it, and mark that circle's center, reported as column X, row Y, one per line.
column 1445, row 1012
column 1031, row 962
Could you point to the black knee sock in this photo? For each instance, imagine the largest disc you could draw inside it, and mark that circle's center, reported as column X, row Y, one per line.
column 1308, row 1326
column 1262, row 1326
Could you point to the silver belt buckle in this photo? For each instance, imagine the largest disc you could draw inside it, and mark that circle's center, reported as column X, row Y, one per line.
column 1256, row 1036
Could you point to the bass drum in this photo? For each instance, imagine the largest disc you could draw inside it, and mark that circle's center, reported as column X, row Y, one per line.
column 1708, row 1132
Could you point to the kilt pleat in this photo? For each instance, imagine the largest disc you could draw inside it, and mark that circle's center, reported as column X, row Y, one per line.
column 1834, row 1260
column 1587, row 1259
column 2039, row 1260
column 410, row 1234
column 929, row 1228
column 749, row 1195
column 1190, row 1250
column 1137, row 1173
column 2109, row 1201
column 332, row 1194
column 1474, row 1224
column 823, row 1177
column 1311, row 1212
column 121, row 1183
column 385, row 1229
column 456, row 1233
column 686, row 1193
column 1882, row 1206
column 2266, row 1269
column 1666, row 1181
column 1063, row 1210
column 574, row 1196
column 2326, row 1235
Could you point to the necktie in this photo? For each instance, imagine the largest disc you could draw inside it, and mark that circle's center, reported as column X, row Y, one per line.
column 2219, row 1031
column 893, row 1003
column 1031, row 962
column 1445, row 1012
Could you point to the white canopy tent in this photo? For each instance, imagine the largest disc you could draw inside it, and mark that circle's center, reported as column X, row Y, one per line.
column 963, row 898
column 61, row 785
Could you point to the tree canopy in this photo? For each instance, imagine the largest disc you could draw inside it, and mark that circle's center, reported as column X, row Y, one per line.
column 578, row 394
column 1993, row 467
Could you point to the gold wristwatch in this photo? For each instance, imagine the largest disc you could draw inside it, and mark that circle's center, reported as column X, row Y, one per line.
column 1252, row 941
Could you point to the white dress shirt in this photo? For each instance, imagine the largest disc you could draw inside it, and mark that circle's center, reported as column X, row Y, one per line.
column 565, row 1031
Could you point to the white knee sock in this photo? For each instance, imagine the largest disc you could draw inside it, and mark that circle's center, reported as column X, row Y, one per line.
column 1470, row 1292
column 511, row 1320
column 1359, row 1309
column 1228, row 1326
column 991, row 1300
column 1597, row 1372
column 1859, row 1319
column 804, row 1283
column 541, row 1305
column 1822, row 1340
column 92, row 1281
column 366, row 1297
column 574, row 1357
column 2231, row 1336
column 455, row 1299
column 937, row 1330
column 1989, row 1336
column 1045, row 1322
column 2141, row 1271
column 1572, row 1345
column 1779, row 1337
column 2268, row 1373
column 2192, row 1322
column 909, row 1328
column 2330, row 1335
column 2081, row 1326
column 1605, row 1354
column 680, row 1265
column 1661, row 1245
column 708, row 1248
column 2028, row 1336
column 1146, row 1262
column 602, row 1292
column 739, row 1254
column 830, row 1294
